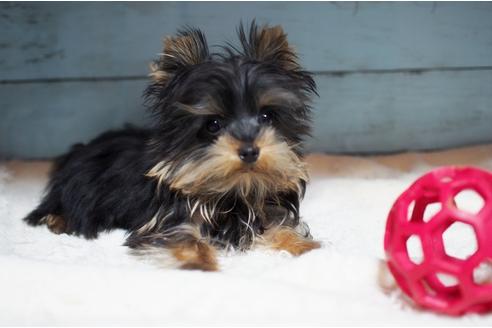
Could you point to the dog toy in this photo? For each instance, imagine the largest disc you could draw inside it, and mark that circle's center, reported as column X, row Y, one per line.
column 438, row 275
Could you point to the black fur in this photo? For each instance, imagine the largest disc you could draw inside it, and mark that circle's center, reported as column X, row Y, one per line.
column 105, row 184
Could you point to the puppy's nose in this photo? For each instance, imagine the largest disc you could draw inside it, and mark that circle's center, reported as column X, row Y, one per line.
column 249, row 153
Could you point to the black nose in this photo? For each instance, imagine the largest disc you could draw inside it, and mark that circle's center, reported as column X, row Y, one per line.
column 249, row 154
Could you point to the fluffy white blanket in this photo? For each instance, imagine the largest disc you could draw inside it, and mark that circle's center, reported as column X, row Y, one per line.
column 48, row 279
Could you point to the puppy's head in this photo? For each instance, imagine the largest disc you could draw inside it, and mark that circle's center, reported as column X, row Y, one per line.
column 230, row 122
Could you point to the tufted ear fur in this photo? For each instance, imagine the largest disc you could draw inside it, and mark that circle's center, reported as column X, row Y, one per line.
column 189, row 47
column 268, row 44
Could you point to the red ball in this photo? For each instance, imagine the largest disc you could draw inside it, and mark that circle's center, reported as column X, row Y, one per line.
column 440, row 278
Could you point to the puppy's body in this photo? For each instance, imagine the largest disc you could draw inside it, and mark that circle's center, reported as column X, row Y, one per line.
column 101, row 185
column 221, row 167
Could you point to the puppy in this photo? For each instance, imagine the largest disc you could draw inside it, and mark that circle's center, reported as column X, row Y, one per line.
column 220, row 167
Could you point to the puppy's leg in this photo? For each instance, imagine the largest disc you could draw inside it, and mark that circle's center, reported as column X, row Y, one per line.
column 287, row 239
column 48, row 212
column 195, row 255
column 56, row 224
column 184, row 243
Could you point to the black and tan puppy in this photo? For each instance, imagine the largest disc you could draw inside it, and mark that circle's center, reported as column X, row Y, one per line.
column 221, row 167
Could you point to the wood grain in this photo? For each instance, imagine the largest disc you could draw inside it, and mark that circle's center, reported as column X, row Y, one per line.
column 73, row 40
column 356, row 113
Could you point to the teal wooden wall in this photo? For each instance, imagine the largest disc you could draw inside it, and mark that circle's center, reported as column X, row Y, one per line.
column 391, row 76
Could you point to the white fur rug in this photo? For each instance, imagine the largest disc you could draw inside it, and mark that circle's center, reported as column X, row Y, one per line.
column 48, row 279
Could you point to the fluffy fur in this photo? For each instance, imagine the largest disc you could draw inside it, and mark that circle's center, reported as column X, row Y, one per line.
column 221, row 166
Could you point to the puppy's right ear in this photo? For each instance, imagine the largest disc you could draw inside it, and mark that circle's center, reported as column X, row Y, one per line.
column 189, row 47
column 268, row 44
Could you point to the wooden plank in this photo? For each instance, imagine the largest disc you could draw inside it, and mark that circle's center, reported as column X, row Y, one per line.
column 43, row 120
column 380, row 113
column 59, row 40
column 356, row 113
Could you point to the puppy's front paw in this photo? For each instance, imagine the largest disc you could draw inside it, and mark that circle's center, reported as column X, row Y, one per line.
column 289, row 240
column 302, row 246
column 199, row 265
column 196, row 256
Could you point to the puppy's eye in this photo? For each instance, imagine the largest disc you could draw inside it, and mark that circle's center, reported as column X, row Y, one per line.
column 214, row 126
column 265, row 118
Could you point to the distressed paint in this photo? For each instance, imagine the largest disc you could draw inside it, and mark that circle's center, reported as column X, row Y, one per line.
column 57, row 40
column 42, row 120
column 356, row 113
column 380, row 113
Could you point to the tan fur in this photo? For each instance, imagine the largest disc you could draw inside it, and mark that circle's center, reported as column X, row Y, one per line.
column 277, row 169
column 287, row 239
column 149, row 226
column 55, row 223
column 195, row 256
column 208, row 107
column 183, row 49
column 278, row 97
column 272, row 42
column 184, row 244
column 157, row 74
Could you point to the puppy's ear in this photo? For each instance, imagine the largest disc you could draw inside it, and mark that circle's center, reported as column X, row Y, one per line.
column 268, row 44
column 189, row 47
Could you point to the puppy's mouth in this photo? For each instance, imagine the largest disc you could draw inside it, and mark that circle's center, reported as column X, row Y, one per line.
column 247, row 168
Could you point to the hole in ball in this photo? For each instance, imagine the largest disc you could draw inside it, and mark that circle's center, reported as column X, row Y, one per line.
column 468, row 200
column 446, row 279
column 414, row 249
column 460, row 241
column 482, row 274
column 410, row 210
column 431, row 210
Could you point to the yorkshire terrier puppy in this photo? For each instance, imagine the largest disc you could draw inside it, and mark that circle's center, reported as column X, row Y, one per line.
column 221, row 167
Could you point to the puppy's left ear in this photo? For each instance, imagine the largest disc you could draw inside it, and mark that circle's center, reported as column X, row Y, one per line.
column 189, row 47
column 268, row 44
